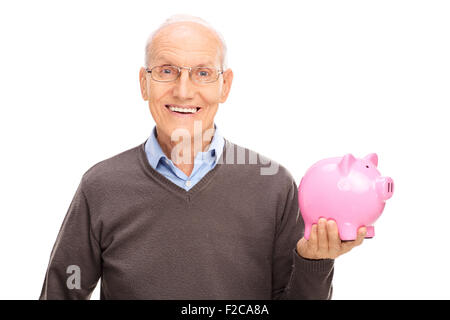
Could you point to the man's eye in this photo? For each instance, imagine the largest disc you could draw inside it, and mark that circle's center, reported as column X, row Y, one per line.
column 167, row 71
column 203, row 73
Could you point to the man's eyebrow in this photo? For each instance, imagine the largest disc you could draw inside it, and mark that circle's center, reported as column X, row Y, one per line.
column 209, row 64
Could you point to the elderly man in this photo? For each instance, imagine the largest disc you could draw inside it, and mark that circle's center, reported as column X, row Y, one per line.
column 180, row 216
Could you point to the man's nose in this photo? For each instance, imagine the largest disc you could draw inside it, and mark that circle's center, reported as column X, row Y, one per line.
column 183, row 86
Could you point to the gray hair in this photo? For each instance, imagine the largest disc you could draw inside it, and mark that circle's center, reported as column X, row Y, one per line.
column 187, row 18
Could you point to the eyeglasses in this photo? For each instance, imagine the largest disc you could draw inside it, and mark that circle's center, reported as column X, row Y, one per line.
column 169, row 73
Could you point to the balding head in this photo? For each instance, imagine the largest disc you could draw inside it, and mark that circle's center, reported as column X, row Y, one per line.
column 186, row 28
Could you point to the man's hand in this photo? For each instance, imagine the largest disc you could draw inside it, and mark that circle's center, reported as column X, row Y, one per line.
column 324, row 241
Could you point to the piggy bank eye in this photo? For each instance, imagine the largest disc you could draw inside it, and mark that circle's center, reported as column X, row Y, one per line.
column 367, row 166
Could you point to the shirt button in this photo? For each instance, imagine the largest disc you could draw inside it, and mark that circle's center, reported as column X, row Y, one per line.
column 188, row 183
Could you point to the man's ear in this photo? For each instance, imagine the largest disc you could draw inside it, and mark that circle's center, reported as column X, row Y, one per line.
column 143, row 83
column 226, row 86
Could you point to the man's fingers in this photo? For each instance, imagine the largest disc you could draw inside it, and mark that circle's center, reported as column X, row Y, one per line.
column 322, row 237
column 334, row 242
column 324, row 240
column 313, row 238
column 361, row 234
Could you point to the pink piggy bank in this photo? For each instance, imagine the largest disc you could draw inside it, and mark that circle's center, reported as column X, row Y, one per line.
column 347, row 190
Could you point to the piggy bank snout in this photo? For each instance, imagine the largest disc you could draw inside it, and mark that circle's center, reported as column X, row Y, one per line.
column 385, row 187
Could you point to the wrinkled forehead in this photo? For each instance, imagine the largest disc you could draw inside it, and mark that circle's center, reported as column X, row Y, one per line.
column 186, row 41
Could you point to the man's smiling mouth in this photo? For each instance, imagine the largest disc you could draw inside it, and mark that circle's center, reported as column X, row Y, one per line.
column 182, row 109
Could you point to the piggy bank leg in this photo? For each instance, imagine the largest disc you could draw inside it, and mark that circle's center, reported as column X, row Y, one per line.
column 347, row 231
column 370, row 232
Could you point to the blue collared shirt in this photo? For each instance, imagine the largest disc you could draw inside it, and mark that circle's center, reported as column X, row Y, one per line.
column 203, row 162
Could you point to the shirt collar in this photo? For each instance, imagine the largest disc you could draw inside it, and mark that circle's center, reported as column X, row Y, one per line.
column 155, row 153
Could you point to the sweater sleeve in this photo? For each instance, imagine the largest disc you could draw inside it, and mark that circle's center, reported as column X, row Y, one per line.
column 75, row 260
column 294, row 277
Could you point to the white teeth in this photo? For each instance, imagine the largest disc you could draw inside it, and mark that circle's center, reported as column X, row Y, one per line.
column 185, row 110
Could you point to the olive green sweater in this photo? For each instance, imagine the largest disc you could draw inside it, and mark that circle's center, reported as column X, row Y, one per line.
column 232, row 236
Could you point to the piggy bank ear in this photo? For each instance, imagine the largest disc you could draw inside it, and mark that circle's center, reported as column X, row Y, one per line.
column 346, row 163
column 372, row 157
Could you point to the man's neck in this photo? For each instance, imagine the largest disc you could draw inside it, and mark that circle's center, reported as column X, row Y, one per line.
column 184, row 149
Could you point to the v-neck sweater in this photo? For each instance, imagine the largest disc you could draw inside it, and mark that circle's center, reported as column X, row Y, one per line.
column 231, row 236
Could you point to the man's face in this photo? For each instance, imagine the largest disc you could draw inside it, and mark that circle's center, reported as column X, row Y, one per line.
column 184, row 44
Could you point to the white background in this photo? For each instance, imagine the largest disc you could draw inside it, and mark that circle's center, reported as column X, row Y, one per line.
column 360, row 77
